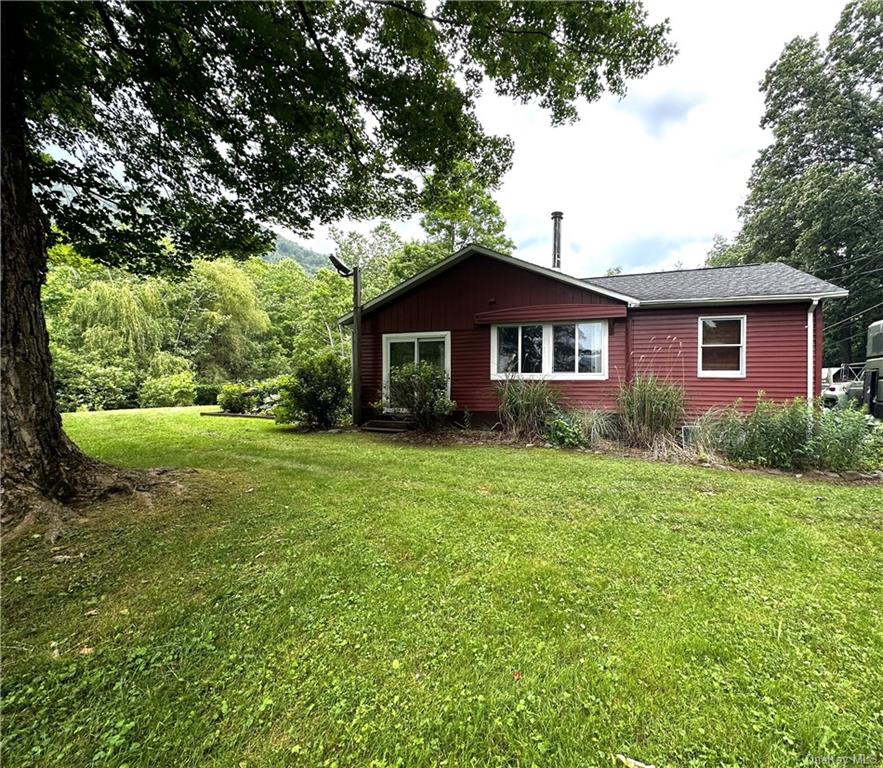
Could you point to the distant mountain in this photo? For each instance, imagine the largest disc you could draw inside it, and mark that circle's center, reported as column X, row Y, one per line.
column 288, row 249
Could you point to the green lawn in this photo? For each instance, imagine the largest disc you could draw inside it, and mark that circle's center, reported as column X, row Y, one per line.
column 346, row 600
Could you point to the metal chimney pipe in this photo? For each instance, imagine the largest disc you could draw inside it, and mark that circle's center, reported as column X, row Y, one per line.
column 556, row 239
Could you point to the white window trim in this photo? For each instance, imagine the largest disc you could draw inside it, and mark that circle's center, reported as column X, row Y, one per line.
column 419, row 335
column 743, row 371
column 547, row 373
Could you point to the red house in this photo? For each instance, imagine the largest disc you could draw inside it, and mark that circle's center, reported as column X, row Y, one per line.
column 722, row 332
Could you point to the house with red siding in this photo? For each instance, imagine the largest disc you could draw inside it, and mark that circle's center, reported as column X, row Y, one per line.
column 723, row 333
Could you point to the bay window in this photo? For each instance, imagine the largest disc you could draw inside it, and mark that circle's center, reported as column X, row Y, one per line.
column 722, row 347
column 550, row 351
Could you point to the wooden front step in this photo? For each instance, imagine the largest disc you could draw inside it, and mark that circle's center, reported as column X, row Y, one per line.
column 391, row 426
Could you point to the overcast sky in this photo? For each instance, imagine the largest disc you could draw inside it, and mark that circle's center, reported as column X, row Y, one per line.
column 646, row 182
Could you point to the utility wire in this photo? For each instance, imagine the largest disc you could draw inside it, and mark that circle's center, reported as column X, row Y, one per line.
column 858, row 333
column 848, row 261
column 851, row 262
column 853, row 317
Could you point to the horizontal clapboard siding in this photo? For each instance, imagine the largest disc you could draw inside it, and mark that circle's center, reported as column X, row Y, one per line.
column 666, row 342
column 551, row 312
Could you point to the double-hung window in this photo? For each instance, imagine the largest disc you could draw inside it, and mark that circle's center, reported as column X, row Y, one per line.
column 549, row 351
column 722, row 347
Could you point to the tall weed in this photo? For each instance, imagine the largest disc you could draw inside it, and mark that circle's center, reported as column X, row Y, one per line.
column 791, row 435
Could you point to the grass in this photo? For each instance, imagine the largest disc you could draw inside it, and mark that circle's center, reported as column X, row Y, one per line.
column 343, row 600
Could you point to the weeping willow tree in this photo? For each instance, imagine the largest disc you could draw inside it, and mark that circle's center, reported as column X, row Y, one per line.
column 117, row 317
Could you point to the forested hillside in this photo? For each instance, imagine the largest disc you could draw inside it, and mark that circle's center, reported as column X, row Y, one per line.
column 309, row 259
column 120, row 341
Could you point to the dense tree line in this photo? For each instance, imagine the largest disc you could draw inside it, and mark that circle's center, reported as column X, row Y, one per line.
column 116, row 338
column 119, row 340
column 815, row 196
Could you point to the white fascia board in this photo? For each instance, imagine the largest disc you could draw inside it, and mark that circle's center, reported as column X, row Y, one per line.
column 777, row 298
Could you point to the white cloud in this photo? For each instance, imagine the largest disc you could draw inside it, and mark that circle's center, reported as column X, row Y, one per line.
column 647, row 181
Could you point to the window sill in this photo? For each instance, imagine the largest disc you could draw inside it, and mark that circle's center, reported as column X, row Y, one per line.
column 549, row 377
column 721, row 374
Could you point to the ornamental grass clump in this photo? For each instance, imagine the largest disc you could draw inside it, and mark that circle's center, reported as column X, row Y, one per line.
column 596, row 426
column 527, row 407
column 650, row 410
column 582, row 428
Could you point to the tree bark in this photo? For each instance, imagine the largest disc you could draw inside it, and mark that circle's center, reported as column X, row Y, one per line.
column 41, row 467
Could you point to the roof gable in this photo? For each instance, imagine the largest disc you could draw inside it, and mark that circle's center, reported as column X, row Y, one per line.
column 768, row 282
column 478, row 250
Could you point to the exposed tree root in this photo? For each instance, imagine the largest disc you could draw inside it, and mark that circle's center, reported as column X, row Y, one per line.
column 25, row 505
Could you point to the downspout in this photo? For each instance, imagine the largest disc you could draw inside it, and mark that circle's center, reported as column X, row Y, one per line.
column 810, row 350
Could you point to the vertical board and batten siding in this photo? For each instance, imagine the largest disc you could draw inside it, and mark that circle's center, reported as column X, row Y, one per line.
column 666, row 342
column 450, row 301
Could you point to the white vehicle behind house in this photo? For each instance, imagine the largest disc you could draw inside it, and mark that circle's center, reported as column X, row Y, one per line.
column 842, row 384
column 861, row 383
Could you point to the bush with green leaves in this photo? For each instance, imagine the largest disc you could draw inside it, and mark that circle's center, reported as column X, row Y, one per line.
column 317, row 394
column 527, row 407
column 207, row 394
column 101, row 388
column 582, row 428
column 846, row 438
column 85, row 385
column 564, row 431
column 778, row 434
column 259, row 397
column 770, row 435
column 791, row 435
column 266, row 394
column 650, row 410
column 236, row 398
column 165, row 364
column 166, row 391
column 421, row 389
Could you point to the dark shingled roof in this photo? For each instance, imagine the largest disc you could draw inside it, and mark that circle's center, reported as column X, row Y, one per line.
column 773, row 279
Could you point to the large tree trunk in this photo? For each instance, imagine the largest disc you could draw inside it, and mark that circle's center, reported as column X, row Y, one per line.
column 41, row 467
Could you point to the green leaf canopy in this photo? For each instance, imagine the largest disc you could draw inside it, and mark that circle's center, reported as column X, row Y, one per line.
column 162, row 131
